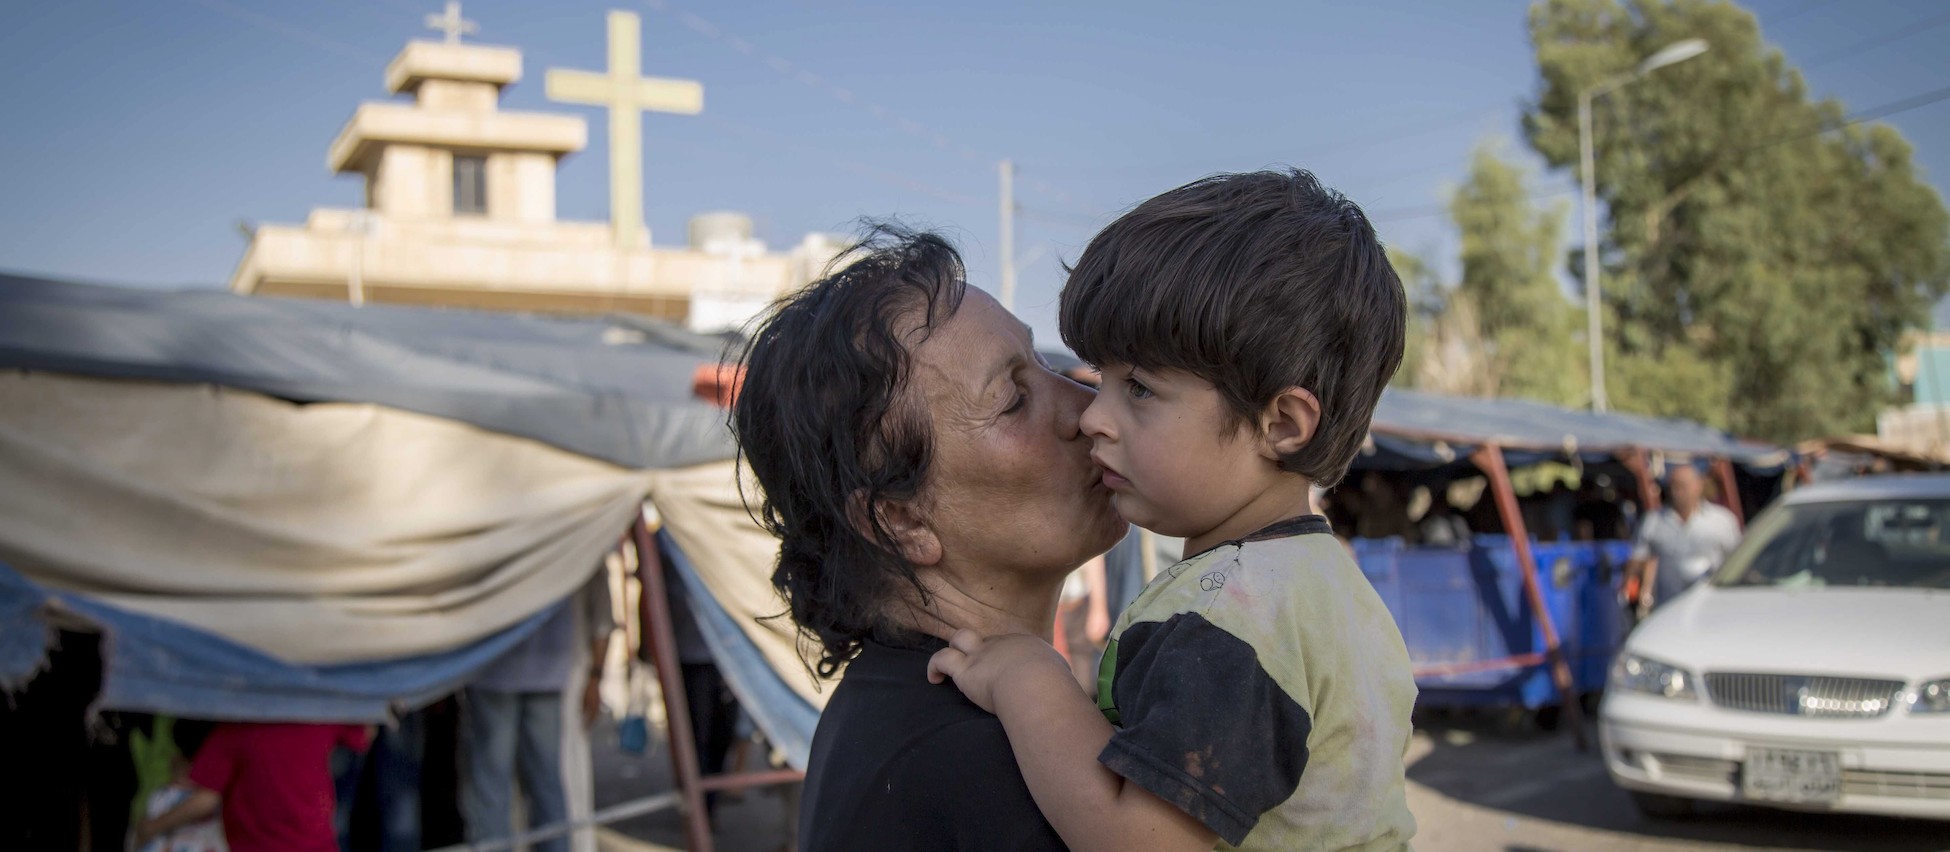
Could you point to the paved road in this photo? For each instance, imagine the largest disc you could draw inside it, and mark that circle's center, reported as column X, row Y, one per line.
column 1473, row 785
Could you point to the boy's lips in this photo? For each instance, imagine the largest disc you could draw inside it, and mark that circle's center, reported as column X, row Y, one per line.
column 1111, row 478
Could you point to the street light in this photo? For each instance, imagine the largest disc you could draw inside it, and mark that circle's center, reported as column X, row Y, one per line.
column 1678, row 51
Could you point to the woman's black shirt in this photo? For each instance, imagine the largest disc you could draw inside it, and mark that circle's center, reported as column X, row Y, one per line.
column 902, row 764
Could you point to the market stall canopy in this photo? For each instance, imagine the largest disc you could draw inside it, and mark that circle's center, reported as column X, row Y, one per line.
column 1415, row 430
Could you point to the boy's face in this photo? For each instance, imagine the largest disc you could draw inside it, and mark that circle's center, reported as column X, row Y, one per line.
column 1174, row 458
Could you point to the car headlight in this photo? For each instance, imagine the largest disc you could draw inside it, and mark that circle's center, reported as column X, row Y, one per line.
column 1932, row 697
column 1633, row 673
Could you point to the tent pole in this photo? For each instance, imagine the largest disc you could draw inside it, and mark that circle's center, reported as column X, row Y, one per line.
column 1729, row 490
column 1489, row 458
column 657, row 631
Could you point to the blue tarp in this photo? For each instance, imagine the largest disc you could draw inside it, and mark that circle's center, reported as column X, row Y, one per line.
column 613, row 388
column 156, row 665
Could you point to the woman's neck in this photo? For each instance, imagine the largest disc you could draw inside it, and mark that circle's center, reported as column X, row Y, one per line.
column 990, row 607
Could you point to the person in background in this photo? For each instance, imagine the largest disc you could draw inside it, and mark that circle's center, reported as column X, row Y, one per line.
column 714, row 709
column 1441, row 526
column 272, row 781
column 394, row 759
column 1600, row 515
column 1083, row 621
column 1681, row 543
column 511, row 719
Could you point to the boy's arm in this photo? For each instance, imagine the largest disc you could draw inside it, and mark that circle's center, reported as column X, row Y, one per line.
column 1057, row 734
column 199, row 805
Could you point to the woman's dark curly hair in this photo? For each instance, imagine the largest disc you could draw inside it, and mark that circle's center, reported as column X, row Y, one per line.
column 825, row 422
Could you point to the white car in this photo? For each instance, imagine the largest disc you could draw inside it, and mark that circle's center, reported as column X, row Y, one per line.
column 1811, row 671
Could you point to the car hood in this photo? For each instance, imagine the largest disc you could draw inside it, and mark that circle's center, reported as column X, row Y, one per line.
column 1893, row 633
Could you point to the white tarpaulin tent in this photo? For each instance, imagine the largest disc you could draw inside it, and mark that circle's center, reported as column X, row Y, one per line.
column 301, row 509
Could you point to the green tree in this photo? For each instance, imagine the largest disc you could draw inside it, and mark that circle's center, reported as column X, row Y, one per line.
column 1511, row 252
column 1763, row 258
column 1425, row 296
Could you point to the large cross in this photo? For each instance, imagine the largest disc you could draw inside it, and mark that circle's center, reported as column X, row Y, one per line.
column 628, row 95
column 451, row 23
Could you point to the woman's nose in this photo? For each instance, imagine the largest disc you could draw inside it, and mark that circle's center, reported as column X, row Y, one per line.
column 1076, row 399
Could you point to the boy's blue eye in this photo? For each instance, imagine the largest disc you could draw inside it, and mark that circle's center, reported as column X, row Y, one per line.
column 1138, row 390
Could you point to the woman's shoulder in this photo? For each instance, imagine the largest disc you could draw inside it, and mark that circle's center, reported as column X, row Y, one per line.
column 927, row 768
column 909, row 718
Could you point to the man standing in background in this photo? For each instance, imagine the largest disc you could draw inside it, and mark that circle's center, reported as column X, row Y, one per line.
column 511, row 721
column 1681, row 543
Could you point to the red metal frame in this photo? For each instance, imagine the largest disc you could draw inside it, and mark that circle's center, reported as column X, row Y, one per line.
column 1489, row 458
column 653, row 609
column 1730, row 491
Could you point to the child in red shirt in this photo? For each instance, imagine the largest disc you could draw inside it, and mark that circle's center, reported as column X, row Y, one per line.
column 273, row 781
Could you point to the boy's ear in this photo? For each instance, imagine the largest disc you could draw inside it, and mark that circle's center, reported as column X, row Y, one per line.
column 904, row 524
column 1289, row 422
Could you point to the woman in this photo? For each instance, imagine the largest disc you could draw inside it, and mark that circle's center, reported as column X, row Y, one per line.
column 923, row 469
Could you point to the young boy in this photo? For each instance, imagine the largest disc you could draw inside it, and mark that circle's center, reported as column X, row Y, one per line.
column 1257, row 693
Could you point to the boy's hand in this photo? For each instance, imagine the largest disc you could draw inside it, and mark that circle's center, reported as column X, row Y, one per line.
column 982, row 667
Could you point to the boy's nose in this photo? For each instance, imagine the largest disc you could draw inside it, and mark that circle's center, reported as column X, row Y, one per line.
column 1095, row 421
column 1075, row 399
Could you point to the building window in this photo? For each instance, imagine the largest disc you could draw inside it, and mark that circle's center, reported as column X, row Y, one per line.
column 470, row 186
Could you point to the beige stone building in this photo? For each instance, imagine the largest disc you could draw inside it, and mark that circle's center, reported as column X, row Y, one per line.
column 460, row 204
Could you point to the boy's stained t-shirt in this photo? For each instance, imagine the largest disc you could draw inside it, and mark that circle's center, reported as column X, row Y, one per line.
column 1262, row 687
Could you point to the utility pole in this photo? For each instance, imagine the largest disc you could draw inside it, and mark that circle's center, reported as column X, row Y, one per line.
column 1678, row 51
column 1007, row 294
column 355, row 288
column 1593, row 303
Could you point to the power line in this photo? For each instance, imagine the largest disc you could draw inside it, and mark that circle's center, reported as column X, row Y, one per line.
column 890, row 178
column 1403, row 214
column 1067, row 220
column 1898, row 34
column 788, row 68
column 350, row 51
column 1404, row 130
column 1800, row 10
column 1871, row 114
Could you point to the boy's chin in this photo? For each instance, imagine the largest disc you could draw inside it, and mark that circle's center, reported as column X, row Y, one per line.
column 1132, row 509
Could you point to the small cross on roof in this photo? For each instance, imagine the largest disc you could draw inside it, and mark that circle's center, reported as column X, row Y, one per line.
column 452, row 24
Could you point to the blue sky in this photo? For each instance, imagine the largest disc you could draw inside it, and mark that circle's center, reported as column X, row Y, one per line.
column 137, row 134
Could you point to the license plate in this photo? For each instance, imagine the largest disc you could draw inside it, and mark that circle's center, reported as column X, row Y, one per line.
column 1786, row 775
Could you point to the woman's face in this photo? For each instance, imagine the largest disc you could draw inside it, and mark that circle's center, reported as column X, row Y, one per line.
column 1012, row 490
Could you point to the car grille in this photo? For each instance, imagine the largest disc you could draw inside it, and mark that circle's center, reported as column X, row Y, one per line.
column 1813, row 696
column 1902, row 785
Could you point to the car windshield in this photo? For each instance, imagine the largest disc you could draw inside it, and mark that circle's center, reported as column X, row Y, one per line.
column 1885, row 543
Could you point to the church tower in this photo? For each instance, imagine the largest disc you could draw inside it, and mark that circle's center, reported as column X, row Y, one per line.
column 460, row 202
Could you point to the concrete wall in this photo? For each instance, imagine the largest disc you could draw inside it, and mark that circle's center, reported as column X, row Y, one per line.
column 554, row 266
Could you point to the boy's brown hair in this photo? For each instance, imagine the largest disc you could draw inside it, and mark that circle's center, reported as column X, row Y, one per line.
column 1256, row 283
